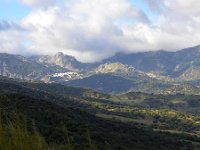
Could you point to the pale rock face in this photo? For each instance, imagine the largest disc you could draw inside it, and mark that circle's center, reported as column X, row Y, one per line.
column 114, row 68
column 4, row 69
column 192, row 73
column 64, row 61
column 61, row 60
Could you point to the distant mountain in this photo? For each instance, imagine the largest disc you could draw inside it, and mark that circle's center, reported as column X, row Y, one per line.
column 117, row 68
column 158, row 61
column 151, row 72
column 106, row 83
column 191, row 73
column 165, row 63
column 36, row 67
column 61, row 60
column 159, row 72
column 122, row 70
column 17, row 66
column 110, row 83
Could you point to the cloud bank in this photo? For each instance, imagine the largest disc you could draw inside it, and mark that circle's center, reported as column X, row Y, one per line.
column 92, row 30
column 38, row 3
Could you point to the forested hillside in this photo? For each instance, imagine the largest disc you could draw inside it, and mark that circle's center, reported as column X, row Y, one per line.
column 73, row 118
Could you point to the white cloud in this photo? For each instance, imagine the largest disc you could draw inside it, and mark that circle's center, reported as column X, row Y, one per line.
column 183, row 7
column 85, row 27
column 94, row 29
column 12, row 41
column 38, row 3
column 12, row 38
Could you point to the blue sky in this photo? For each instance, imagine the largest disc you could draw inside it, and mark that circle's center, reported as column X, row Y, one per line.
column 12, row 10
column 141, row 4
column 15, row 11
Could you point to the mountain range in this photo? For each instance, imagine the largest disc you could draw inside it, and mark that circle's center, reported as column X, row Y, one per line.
column 152, row 72
column 125, row 102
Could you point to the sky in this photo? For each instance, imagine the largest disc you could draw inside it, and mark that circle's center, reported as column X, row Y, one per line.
column 92, row 30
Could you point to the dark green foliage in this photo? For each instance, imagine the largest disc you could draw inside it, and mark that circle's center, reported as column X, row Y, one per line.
column 66, row 116
column 51, row 121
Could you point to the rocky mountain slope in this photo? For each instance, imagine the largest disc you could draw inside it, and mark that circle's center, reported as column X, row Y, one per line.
column 59, row 59
column 17, row 66
column 164, row 63
column 145, row 71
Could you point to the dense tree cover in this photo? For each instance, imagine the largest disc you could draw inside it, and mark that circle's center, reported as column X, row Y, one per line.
column 68, row 116
column 58, row 124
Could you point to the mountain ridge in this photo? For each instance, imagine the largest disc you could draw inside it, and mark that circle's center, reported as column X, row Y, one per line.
column 144, row 69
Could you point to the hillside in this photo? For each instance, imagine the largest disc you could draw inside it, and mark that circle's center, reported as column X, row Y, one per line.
column 53, row 113
column 106, row 83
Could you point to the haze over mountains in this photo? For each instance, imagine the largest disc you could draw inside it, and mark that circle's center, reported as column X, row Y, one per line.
column 152, row 72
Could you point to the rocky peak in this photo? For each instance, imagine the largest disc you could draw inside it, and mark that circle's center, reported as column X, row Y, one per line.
column 114, row 67
column 63, row 60
column 59, row 59
column 59, row 54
